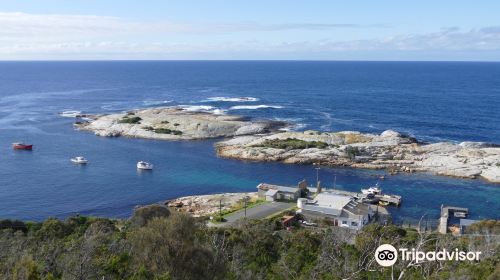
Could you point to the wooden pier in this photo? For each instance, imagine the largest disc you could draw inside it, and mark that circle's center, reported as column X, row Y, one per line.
column 445, row 216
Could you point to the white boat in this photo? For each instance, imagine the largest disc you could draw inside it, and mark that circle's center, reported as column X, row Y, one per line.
column 371, row 190
column 79, row 160
column 144, row 165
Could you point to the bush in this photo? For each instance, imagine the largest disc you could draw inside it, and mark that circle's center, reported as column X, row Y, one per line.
column 292, row 144
column 148, row 128
column 167, row 131
column 144, row 214
column 352, row 152
column 132, row 120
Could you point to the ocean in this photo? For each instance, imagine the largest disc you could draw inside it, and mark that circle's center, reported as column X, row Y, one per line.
column 433, row 101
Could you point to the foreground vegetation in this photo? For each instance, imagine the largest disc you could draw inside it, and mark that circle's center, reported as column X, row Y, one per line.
column 157, row 244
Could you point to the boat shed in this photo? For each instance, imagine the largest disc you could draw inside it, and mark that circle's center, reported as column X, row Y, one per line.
column 275, row 192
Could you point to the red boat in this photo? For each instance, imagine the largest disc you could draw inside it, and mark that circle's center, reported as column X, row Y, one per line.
column 21, row 146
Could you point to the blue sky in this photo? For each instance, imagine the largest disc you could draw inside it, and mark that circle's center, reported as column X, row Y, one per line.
column 319, row 30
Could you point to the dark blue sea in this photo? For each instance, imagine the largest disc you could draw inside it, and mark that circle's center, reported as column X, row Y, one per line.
column 433, row 101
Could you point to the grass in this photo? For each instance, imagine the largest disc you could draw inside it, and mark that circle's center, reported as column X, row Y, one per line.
column 292, row 144
column 240, row 205
column 131, row 120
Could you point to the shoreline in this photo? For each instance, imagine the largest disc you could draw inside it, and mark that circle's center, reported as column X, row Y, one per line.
column 244, row 139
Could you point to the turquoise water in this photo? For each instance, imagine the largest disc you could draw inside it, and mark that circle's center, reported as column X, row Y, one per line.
column 432, row 101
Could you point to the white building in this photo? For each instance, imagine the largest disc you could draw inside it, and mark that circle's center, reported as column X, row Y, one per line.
column 341, row 210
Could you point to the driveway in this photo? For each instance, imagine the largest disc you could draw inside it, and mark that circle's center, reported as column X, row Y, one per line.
column 257, row 212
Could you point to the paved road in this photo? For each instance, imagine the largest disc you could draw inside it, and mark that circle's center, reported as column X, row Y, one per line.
column 257, row 212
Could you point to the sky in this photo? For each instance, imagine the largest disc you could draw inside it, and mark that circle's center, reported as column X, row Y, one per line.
column 250, row 30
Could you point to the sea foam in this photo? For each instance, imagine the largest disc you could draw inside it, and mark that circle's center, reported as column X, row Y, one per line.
column 230, row 99
column 254, row 107
column 70, row 114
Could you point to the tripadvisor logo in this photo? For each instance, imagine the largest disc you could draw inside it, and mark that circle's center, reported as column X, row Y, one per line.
column 387, row 255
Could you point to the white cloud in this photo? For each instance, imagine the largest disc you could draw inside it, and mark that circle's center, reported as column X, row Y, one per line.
column 31, row 36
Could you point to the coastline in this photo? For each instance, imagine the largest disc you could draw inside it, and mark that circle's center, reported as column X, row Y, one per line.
column 263, row 141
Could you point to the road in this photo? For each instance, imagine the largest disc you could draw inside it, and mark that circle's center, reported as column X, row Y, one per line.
column 257, row 212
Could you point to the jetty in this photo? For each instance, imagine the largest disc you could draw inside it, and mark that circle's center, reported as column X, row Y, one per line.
column 445, row 216
column 276, row 192
column 392, row 199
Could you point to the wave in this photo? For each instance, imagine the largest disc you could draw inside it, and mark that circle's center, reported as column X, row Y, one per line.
column 70, row 114
column 155, row 102
column 202, row 108
column 230, row 99
column 255, row 107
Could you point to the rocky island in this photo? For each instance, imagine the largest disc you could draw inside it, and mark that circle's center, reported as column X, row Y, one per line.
column 262, row 141
column 390, row 150
column 171, row 123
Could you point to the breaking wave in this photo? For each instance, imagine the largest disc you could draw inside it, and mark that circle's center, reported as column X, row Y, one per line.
column 254, row 107
column 70, row 114
column 202, row 108
column 231, row 99
column 155, row 102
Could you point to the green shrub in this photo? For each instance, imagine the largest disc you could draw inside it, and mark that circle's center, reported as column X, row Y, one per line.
column 167, row 131
column 176, row 124
column 148, row 128
column 352, row 152
column 163, row 130
column 292, row 144
column 132, row 120
column 165, row 122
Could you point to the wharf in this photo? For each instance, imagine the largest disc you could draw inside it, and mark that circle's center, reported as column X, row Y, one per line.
column 388, row 198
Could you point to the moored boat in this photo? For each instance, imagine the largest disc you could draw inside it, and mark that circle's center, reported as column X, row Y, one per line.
column 22, row 146
column 79, row 160
column 142, row 165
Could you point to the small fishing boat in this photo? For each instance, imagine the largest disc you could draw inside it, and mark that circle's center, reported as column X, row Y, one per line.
column 142, row 165
column 79, row 160
column 22, row 146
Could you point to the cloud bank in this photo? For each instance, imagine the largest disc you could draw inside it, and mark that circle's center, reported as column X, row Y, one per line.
column 45, row 36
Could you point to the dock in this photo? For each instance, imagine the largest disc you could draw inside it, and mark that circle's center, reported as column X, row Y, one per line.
column 445, row 216
column 392, row 199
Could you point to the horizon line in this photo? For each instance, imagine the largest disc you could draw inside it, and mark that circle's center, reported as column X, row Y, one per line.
column 239, row 60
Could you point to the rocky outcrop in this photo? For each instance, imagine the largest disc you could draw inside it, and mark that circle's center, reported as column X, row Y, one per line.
column 390, row 150
column 206, row 205
column 174, row 123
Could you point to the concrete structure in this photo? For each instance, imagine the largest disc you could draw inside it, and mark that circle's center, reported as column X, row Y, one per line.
column 445, row 216
column 340, row 209
column 275, row 192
